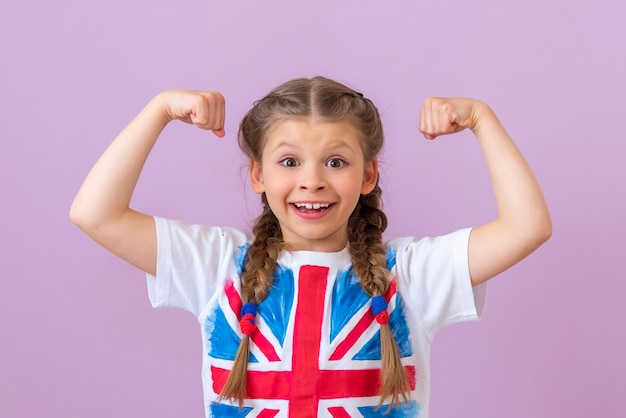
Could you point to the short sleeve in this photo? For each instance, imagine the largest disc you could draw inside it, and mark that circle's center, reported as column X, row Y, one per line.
column 192, row 260
column 435, row 274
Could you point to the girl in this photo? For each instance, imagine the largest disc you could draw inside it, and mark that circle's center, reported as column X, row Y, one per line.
column 312, row 314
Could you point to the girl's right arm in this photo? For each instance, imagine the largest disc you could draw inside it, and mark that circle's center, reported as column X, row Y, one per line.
column 101, row 206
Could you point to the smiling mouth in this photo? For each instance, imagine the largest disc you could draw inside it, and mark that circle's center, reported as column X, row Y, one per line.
column 311, row 207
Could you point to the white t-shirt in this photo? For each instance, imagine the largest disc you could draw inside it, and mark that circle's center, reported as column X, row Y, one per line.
column 317, row 348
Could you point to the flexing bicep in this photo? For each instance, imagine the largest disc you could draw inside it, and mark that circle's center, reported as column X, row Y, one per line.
column 101, row 206
column 523, row 222
column 494, row 247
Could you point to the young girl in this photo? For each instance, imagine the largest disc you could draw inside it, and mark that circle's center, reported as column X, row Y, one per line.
column 312, row 314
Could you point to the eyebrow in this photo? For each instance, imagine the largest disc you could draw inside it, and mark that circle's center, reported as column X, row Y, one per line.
column 285, row 144
column 339, row 144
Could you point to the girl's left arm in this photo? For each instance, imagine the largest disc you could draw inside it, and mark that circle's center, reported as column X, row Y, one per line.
column 523, row 221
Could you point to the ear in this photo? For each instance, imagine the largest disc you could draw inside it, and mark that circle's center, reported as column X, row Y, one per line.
column 370, row 176
column 256, row 176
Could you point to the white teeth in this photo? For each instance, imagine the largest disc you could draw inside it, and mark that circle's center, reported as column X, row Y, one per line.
column 312, row 205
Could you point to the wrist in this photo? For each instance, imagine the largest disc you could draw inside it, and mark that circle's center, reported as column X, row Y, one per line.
column 482, row 115
column 159, row 107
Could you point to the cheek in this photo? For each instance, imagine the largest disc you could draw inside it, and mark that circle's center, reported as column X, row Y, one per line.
column 350, row 189
column 276, row 190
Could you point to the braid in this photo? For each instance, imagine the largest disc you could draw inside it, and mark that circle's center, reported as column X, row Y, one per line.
column 256, row 281
column 365, row 228
column 262, row 256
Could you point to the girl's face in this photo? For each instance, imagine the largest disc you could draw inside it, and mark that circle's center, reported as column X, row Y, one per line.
column 313, row 173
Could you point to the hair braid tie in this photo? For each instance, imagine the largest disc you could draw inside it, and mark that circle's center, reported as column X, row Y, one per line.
column 379, row 309
column 247, row 322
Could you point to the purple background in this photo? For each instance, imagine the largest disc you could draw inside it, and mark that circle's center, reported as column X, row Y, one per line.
column 78, row 336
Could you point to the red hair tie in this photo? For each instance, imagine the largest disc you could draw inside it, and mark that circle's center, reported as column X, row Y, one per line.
column 247, row 322
column 383, row 317
column 379, row 309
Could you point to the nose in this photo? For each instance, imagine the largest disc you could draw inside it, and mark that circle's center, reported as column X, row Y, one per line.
column 312, row 179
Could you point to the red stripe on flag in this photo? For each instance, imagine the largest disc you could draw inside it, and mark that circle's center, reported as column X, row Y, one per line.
column 411, row 376
column 361, row 326
column 352, row 337
column 338, row 412
column 259, row 385
column 265, row 346
column 268, row 413
column 307, row 335
column 234, row 300
column 333, row 384
column 354, row 383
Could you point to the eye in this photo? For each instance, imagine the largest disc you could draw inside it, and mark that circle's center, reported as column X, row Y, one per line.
column 289, row 162
column 336, row 163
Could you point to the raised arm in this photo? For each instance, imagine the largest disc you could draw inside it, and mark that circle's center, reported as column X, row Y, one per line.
column 101, row 207
column 523, row 222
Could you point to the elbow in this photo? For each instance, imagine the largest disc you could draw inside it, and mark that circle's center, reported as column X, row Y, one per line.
column 539, row 233
column 82, row 218
column 543, row 235
column 545, row 228
column 531, row 233
column 77, row 216
column 547, row 231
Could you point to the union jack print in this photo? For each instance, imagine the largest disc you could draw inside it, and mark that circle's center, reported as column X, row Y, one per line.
column 316, row 352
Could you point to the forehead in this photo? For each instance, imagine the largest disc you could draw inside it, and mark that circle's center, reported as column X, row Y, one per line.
column 313, row 132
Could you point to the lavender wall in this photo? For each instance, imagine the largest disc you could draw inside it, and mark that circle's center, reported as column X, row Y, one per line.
column 78, row 337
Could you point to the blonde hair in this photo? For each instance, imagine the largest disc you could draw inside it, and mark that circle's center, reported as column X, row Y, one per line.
column 330, row 101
